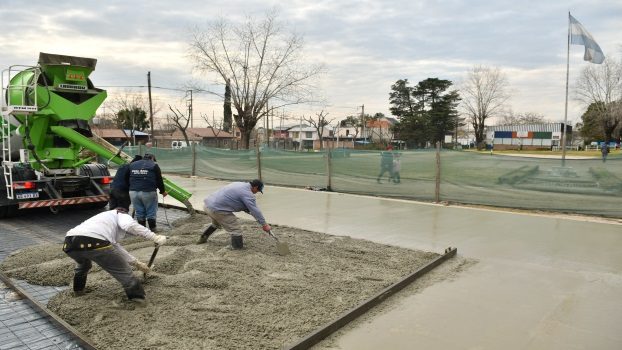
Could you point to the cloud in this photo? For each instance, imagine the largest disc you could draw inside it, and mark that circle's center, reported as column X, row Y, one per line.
column 366, row 45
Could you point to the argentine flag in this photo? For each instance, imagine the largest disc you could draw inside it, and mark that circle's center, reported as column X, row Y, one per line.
column 580, row 36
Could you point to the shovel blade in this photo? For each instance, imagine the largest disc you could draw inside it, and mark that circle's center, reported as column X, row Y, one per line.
column 282, row 248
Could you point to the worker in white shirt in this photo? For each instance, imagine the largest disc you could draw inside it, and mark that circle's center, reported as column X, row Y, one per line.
column 97, row 239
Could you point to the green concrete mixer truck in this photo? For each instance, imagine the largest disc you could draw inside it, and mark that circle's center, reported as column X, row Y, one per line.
column 49, row 154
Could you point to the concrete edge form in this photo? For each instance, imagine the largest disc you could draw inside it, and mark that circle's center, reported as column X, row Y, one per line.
column 81, row 339
column 350, row 315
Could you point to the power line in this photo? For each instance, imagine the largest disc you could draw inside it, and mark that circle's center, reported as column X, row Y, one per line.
column 159, row 87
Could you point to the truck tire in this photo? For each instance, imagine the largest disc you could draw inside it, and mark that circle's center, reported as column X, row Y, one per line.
column 92, row 170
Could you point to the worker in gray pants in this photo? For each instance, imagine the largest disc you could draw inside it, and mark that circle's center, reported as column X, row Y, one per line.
column 96, row 239
column 235, row 197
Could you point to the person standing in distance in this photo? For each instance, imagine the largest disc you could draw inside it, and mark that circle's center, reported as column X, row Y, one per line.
column 386, row 164
column 120, row 188
column 605, row 151
column 97, row 239
column 235, row 197
column 145, row 179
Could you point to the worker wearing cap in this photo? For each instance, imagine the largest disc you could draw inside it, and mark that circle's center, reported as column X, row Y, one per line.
column 97, row 239
column 235, row 197
column 145, row 180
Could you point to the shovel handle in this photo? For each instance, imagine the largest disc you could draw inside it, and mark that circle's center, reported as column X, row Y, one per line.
column 153, row 255
column 272, row 235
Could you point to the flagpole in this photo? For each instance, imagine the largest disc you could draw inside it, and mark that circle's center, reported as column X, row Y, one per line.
column 565, row 128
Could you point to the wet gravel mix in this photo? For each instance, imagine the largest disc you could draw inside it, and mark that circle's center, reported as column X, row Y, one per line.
column 211, row 297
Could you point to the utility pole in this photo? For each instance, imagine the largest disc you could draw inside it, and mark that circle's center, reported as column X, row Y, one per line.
column 190, row 111
column 151, row 138
column 281, row 132
column 267, row 125
column 300, row 136
column 363, row 124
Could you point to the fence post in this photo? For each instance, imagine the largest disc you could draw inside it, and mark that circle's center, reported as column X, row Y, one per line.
column 258, row 153
column 329, row 170
column 194, row 159
column 437, row 190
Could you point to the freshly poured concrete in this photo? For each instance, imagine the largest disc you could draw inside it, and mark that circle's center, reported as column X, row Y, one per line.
column 541, row 283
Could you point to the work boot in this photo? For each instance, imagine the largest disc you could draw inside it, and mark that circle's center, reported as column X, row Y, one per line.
column 152, row 224
column 79, row 282
column 237, row 242
column 142, row 222
column 139, row 302
column 208, row 232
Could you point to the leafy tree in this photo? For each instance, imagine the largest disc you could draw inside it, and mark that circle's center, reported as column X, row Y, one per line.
column 401, row 100
column 594, row 128
column 262, row 62
column 590, row 128
column 132, row 119
column 426, row 112
column 600, row 88
column 352, row 122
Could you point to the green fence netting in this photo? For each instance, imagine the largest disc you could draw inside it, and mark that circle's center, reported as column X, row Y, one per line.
column 583, row 186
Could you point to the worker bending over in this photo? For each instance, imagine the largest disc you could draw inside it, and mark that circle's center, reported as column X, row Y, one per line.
column 220, row 206
column 97, row 239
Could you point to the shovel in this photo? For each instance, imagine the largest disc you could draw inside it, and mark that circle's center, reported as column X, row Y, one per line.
column 153, row 255
column 281, row 247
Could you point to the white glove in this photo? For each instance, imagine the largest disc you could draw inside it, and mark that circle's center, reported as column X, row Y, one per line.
column 141, row 266
column 159, row 239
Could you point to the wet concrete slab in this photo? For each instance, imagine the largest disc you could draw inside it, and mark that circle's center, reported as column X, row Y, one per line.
column 542, row 282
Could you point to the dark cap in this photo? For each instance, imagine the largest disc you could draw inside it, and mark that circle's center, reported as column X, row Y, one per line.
column 121, row 209
column 149, row 156
column 136, row 158
column 257, row 183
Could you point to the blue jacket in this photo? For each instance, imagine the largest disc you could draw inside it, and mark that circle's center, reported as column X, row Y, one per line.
column 146, row 176
column 121, row 179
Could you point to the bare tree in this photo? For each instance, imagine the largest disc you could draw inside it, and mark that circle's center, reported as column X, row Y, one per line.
column 600, row 86
column 319, row 123
column 512, row 118
column 484, row 93
column 181, row 122
column 263, row 63
column 215, row 125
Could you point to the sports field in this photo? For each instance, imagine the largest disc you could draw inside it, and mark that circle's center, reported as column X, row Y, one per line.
column 582, row 186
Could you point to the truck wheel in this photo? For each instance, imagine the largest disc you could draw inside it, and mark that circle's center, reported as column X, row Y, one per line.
column 96, row 170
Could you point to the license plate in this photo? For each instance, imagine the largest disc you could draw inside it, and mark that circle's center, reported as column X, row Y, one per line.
column 27, row 195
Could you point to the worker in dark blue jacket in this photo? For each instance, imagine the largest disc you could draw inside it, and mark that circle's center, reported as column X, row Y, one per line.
column 120, row 187
column 145, row 179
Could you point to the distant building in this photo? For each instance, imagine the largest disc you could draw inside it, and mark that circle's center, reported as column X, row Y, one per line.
column 118, row 137
column 527, row 136
column 210, row 137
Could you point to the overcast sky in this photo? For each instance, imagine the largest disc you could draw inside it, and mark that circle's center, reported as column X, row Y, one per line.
column 365, row 45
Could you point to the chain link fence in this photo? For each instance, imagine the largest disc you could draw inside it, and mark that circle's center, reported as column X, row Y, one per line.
column 582, row 186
